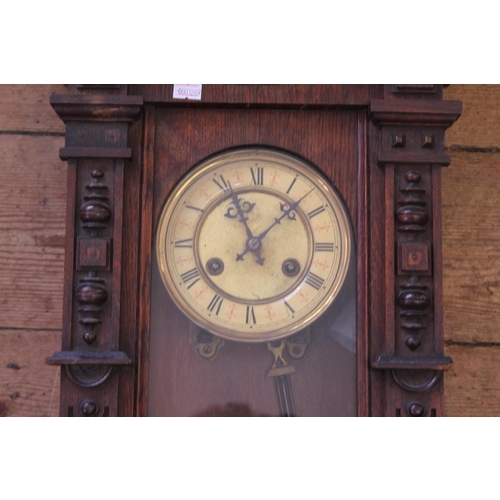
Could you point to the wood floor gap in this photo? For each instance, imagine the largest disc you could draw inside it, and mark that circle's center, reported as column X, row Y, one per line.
column 472, row 149
column 20, row 329
column 471, row 344
column 32, row 133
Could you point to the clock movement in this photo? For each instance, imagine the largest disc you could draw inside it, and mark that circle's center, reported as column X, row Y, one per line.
column 267, row 250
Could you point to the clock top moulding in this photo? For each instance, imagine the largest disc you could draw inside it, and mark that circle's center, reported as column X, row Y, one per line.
column 109, row 137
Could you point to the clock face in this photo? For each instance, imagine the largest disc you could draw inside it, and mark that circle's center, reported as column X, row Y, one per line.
column 253, row 244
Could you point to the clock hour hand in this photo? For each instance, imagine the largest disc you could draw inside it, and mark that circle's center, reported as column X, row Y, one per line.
column 239, row 209
column 242, row 208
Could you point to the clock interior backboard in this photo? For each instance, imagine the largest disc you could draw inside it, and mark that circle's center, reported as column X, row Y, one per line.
column 235, row 381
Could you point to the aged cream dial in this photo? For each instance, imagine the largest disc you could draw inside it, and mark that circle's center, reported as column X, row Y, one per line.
column 253, row 244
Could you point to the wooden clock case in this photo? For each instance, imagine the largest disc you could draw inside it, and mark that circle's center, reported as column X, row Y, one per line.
column 382, row 147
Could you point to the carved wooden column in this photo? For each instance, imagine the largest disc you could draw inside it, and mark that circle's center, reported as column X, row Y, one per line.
column 97, row 119
column 407, row 348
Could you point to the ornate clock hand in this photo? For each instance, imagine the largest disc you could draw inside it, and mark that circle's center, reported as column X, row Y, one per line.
column 286, row 213
column 240, row 211
column 254, row 243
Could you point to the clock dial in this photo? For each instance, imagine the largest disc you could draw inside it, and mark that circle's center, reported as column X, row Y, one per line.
column 253, row 245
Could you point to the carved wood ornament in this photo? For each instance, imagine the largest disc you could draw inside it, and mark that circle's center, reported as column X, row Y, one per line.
column 116, row 138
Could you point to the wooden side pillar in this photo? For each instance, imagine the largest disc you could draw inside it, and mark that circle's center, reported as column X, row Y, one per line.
column 407, row 345
column 97, row 119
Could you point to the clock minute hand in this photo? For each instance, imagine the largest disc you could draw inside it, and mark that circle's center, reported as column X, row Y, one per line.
column 254, row 243
column 286, row 213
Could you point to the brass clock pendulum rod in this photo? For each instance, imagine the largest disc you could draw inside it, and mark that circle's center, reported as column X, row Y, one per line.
column 285, row 396
column 281, row 371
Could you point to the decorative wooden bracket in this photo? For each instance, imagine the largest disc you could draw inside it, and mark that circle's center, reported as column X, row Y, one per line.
column 96, row 119
column 411, row 121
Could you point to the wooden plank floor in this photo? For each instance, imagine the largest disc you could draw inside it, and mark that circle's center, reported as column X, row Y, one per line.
column 471, row 253
column 26, row 108
column 32, row 231
column 28, row 387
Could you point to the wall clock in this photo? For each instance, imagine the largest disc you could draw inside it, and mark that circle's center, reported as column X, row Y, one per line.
column 198, row 264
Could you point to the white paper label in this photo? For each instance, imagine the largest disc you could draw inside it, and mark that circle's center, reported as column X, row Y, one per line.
column 187, row 91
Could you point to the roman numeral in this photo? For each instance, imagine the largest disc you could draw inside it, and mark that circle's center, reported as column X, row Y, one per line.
column 184, row 243
column 315, row 281
column 323, row 247
column 250, row 315
column 222, row 183
column 257, row 175
column 291, row 185
column 315, row 212
column 216, row 302
column 193, row 275
column 288, row 306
